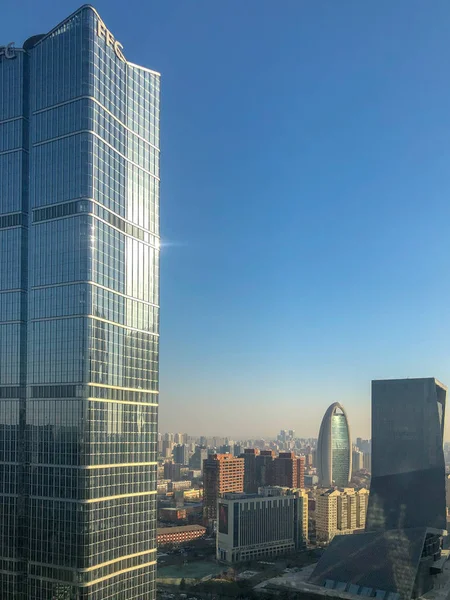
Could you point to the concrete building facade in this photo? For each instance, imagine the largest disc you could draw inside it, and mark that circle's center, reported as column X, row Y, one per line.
column 289, row 470
column 270, row 523
column 340, row 512
column 357, row 460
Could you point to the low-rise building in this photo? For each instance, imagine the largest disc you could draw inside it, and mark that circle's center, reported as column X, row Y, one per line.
column 175, row 486
column 162, row 487
column 173, row 514
column 193, row 494
column 179, row 535
column 270, row 523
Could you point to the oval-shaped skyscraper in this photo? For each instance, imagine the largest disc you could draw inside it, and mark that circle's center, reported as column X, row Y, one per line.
column 334, row 448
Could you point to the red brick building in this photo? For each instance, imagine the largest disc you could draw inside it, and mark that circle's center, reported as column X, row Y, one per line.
column 289, row 470
column 179, row 535
column 172, row 514
column 222, row 473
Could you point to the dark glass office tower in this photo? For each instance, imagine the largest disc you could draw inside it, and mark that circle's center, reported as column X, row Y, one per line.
column 79, row 316
column 408, row 468
column 399, row 554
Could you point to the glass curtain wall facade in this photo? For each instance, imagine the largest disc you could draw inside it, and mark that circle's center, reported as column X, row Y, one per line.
column 79, row 317
column 407, row 489
column 340, row 445
column 334, row 448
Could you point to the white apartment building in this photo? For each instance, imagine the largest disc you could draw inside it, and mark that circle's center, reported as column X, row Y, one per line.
column 340, row 512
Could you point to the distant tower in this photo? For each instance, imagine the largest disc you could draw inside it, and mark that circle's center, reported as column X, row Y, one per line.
column 334, row 448
column 250, row 482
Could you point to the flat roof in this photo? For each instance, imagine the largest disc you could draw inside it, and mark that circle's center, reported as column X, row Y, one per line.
column 403, row 379
column 181, row 529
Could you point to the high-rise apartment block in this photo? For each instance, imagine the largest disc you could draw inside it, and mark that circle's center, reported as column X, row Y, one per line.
column 364, row 445
column 198, row 457
column 180, row 438
column 167, row 448
column 251, row 482
column 172, row 471
column 181, row 454
column 79, row 316
column 264, row 468
column 289, row 470
column 267, row 524
column 222, row 473
column 362, row 503
column 340, row 512
column 357, row 460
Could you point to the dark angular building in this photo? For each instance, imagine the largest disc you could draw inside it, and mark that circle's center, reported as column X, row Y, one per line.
column 79, row 316
column 400, row 551
column 250, row 480
column 408, row 467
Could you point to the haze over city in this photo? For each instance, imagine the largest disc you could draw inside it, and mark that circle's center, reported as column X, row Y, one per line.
column 250, row 199
column 304, row 202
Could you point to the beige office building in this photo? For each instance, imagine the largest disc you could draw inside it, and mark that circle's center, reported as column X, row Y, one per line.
column 255, row 526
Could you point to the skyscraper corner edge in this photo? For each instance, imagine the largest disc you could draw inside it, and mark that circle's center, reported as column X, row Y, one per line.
column 35, row 40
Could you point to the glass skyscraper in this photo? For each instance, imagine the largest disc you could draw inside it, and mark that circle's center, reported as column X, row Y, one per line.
column 334, row 448
column 407, row 489
column 79, row 317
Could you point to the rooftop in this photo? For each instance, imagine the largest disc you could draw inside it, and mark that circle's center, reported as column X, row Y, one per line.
column 181, row 529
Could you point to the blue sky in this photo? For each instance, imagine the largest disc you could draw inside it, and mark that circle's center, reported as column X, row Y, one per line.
column 305, row 200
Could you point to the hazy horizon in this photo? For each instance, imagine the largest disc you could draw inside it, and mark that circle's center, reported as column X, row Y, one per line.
column 244, row 424
column 304, row 202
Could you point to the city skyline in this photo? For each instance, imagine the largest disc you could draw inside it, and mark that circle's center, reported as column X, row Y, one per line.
column 300, row 214
column 270, row 431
